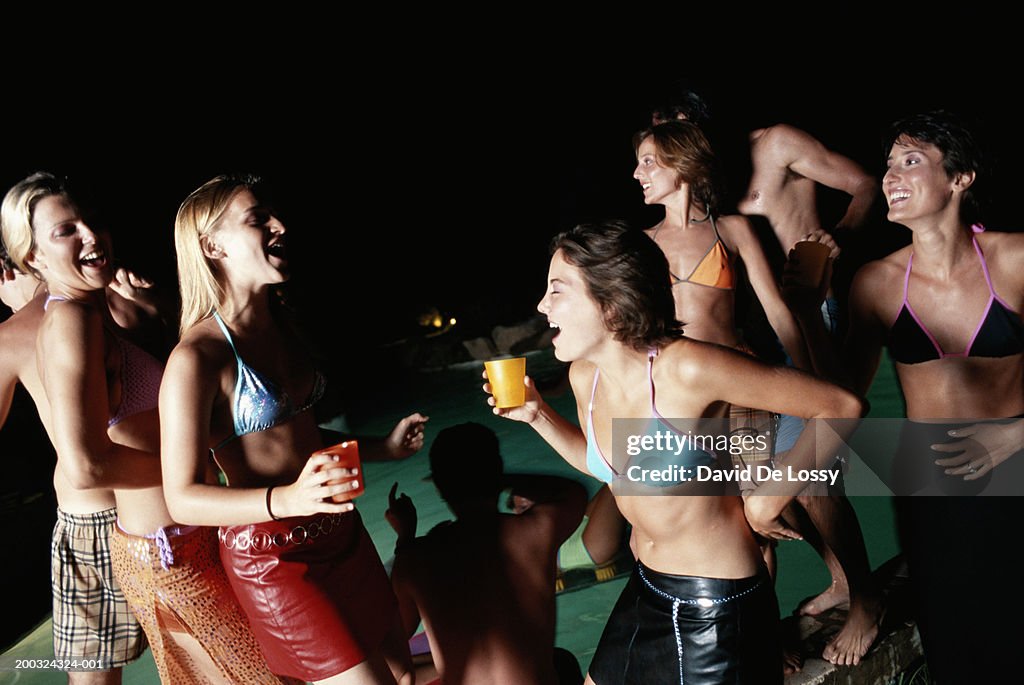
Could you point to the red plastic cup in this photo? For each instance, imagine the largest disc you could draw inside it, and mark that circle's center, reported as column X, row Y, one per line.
column 348, row 458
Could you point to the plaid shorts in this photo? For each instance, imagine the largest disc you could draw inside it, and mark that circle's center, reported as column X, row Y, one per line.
column 91, row 619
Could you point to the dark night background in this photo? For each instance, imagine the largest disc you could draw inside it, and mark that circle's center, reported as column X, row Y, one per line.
column 425, row 160
column 435, row 187
column 418, row 167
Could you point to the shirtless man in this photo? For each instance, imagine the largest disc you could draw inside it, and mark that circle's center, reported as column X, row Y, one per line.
column 91, row 619
column 484, row 584
column 788, row 165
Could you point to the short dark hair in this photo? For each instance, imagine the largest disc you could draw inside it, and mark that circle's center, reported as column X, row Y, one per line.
column 465, row 462
column 686, row 105
column 627, row 273
column 961, row 151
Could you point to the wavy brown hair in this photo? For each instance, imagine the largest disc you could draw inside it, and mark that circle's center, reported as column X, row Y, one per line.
column 627, row 274
column 683, row 147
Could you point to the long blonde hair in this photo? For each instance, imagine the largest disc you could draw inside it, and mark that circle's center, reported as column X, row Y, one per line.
column 198, row 216
column 16, row 216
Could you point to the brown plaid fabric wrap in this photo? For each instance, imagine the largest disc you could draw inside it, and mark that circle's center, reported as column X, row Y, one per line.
column 91, row 619
column 753, row 422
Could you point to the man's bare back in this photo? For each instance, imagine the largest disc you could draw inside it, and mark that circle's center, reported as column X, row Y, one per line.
column 486, row 593
column 484, row 584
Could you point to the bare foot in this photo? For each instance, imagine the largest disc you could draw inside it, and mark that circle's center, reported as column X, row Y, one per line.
column 858, row 633
column 835, row 595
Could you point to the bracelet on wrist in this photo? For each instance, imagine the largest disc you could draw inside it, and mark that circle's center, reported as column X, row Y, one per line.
column 269, row 511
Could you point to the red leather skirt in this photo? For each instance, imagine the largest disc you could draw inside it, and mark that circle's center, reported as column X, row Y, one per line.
column 314, row 590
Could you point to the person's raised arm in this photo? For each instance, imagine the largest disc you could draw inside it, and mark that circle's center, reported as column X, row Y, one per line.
column 187, row 394
column 811, row 159
column 71, row 360
column 564, row 437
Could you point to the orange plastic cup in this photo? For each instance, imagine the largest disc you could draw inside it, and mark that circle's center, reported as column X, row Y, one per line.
column 811, row 257
column 506, row 378
column 348, row 458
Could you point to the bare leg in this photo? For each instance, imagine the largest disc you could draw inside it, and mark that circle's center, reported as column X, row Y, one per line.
column 111, row 677
column 842, row 547
column 603, row 535
column 804, row 514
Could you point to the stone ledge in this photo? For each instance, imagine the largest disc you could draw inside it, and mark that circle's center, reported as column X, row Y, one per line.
column 897, row 650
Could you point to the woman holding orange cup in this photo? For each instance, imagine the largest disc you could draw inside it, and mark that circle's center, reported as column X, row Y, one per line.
column 239, row 388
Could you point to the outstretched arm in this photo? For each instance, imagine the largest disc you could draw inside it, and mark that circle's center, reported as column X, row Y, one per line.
column 565, row 437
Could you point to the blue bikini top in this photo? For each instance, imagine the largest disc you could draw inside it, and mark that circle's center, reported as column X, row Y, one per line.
column 602, row 469
column 259, row 403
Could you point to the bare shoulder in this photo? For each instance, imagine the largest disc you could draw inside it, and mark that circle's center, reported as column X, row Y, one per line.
column 886, row 268
column 1001, row 245
column 1004, row 253
column 66, row 323
column 780, row 134
column 878, row 282
column 581, row 376
column 201, row 350
column 687, row 360
column 785, row 141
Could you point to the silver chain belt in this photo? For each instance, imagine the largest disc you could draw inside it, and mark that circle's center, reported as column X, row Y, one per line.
column 262, row 541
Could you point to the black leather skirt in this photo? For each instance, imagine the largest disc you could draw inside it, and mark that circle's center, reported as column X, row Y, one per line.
column 687, row 629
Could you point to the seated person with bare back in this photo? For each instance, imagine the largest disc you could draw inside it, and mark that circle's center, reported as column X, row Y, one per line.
column 484, row 584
